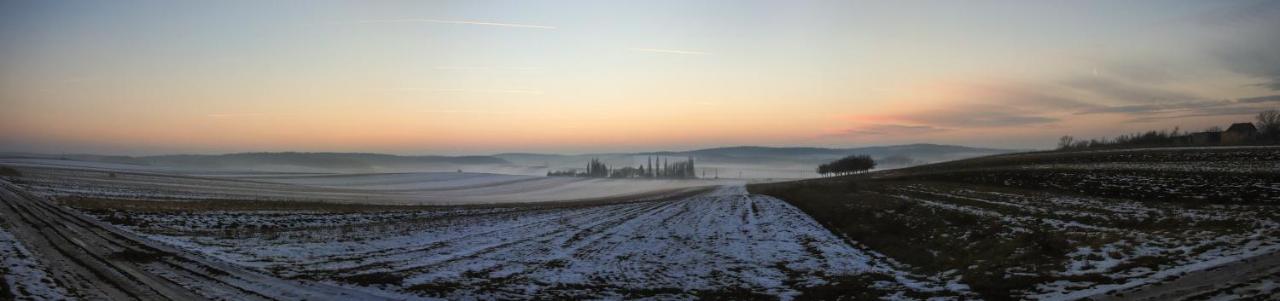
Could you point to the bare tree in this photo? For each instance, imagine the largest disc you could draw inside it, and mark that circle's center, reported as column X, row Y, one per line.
column 1065, row 142
column 1269, row 124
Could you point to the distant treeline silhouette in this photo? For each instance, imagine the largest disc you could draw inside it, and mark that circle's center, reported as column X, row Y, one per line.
column 847, row 165
column 1265, row 131
column 658, row 168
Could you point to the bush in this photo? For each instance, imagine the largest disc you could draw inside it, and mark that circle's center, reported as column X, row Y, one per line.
column 9, row 172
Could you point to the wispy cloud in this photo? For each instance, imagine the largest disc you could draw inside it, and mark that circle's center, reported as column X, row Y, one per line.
column 462, row 22
column 1260, row 99
column 989, row 117
column 502, row 91
column 485, row 68
column 474, row 112
column 669, row 51
column 496, row 91
column 1181, row 106
column 1208, row 112
column 237, row 115
column 886, row 129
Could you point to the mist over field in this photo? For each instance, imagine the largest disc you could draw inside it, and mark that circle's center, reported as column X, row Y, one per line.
column 729, row 162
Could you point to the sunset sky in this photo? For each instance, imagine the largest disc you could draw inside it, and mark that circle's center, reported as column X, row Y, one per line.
column 475, row 77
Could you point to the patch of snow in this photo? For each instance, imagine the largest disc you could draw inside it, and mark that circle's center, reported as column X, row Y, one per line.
column 23, row 273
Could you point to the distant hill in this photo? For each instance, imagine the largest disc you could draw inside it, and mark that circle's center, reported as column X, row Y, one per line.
column 322, row 160
column 768, row 161
column 296, row 161
column 754, row 154
column 746, row 161
column 920, row 152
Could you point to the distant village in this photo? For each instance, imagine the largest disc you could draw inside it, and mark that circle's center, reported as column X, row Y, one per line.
column 657, row 167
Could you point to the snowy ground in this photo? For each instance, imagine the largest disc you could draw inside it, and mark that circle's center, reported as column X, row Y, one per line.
column 23, row 275
column 724, row 241
column 122, row 181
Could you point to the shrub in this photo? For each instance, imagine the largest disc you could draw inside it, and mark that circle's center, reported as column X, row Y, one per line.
column 9, row 171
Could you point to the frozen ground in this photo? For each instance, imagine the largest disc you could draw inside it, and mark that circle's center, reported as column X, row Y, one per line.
column 1160, row 224
column 1117, row 243
column 23, row 275
column 723, row 242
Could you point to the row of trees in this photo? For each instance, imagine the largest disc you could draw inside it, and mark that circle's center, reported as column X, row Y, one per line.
column 1266, row 122
column 1145, row 139
column 847, row 165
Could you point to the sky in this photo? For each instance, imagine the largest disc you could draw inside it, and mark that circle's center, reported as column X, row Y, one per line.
column 475, row 77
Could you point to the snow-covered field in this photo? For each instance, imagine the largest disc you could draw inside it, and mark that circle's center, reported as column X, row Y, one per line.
column 724, row 241
column 631, row 239
column 122, row 181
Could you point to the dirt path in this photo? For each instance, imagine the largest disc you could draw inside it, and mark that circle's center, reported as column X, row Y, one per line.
column 97, row 261
column 1202, row 282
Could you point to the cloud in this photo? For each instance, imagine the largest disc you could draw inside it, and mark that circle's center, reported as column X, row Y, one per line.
column 503, row 91
column 886, row 129
column 1145, row 108
column 1260, row 99
column 496, row 91
column 238, row 115
column 484, row 68
column 984, row 118
column 1120, row 91
column 669, row 51
column 965, row 105
column 1189, row 108
column 1143, row 69
column 476, row 112
column 962, row 116
column 1209, row 112
column 463, row 22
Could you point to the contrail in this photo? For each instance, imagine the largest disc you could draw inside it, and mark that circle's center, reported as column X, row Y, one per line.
column 456, row 22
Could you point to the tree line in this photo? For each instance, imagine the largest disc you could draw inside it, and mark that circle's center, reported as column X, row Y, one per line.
column 658, row 167
column 1267, row 124
column 847, row 165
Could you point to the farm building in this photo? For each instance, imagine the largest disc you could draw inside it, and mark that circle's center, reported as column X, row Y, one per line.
column 1239, row 133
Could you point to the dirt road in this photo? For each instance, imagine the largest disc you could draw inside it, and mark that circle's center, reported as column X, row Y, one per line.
column 98, row 261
